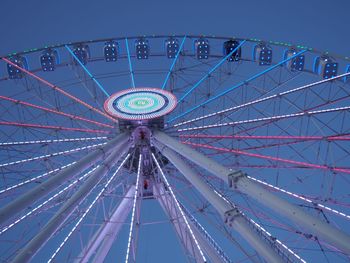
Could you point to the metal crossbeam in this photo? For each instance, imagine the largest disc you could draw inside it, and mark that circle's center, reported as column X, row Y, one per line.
column 239, row 181
column 236, row 86
column 87, row 71
column 231, row 215
column 102, row 242
column 34, row 245
column 211, row 248
column 43, row 189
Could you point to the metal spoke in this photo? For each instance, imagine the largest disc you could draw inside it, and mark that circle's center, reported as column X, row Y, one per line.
column 87, row 210
column 51, row 155
column 210, row 72
column 174, row 62
column 133, row 209
column 304, row 164
column 236, row 86
column 334, row 137
column 263, row 99
column 130, row 65
column 51, row 127
column 279, row 117
column 3, row 230
column 87, row 71
column 82, row 139
column 34, row 178
column 323, row 207
column 179, row 208
column 56, row 88
column 71, row 116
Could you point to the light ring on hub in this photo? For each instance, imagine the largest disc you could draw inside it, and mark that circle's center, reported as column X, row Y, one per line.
column 140, row 104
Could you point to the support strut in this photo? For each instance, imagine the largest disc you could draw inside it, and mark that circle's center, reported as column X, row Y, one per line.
column 34, row 245
column 166, row 202
column 101, row 243
column 169, row 207
column 229, row 214
column 43, row 189
column 239, row 181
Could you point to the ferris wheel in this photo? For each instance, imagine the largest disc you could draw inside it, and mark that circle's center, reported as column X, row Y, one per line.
column 214, row 149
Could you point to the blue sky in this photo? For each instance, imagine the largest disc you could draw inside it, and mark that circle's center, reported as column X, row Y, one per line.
column 319, row 24
column 323, row 25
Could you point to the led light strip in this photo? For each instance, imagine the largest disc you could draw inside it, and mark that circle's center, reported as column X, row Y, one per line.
column 126, row 104
column 276, row 240
column 339, row 137
column 133, row 210
column 87, row 210
column 35, row 178
column 217, row 248
column 75, row 117
column 256, row 155
column 279, row 117
column 211, row 71
column 300, row 197
column 45, row 202
column 261, row 100
column 223, row 93
column 174, row 61
column 51, row 141
column 180, row 209
column 118, row 105
column 51, row 155
column 54, row 87
column 50, row 127
column 130, row 65
column 260, row 227
column 87, row 71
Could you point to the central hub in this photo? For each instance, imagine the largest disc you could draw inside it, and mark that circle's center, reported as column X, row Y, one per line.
column 140, row 104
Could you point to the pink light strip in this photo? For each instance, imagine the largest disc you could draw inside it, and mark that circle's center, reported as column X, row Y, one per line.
column 263, row 99
column 278, row 117
column 75, row 117
column 316, row 166
column 259, row 137
column 32, row 125
column 59, row 89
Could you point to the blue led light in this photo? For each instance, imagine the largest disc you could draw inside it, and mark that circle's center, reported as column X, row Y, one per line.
column 176, row 57
column 232, row 47
column 262, row 54
column 86, row 70
column 49, row 60
column 80, row 53
column 236, row 86
column 15, row 73
column 142, row 49
column 111, row 51
column 202, row 48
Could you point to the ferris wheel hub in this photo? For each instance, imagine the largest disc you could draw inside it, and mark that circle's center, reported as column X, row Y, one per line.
column 140, row 104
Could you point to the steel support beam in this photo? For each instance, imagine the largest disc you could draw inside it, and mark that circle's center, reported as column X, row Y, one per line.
column 230, row 215
column 164, row 198
column 170, row 209
column 34, row 245
column 45, row 188
column 239, row 181
column 102, row 241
